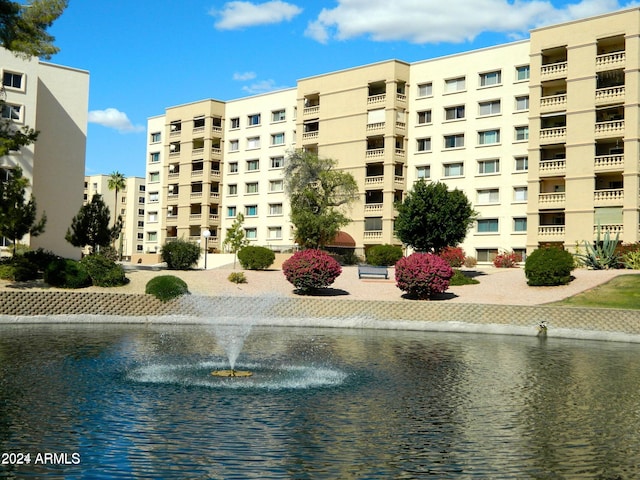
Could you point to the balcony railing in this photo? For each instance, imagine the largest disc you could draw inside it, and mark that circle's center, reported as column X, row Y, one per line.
column 196, row 173
column 217, row 151
column 197, row 151
column 613, row 229
column 216, row 129
column 400, row 153
column 553, row 102
column 555, row 198
column 375, row 153
column 613, row 196
column 173, row 174
column 310, row 135
column 214, row 217
column 551, row 231
column 401, row 97
column 554, row 134
column 398, row 179
column 196, row 195
column 195, row 216
column 553, row 167
column 373, row 207
column 555, row 70
column 314, row 110
column 373, row 235
column 376, row 98
column 375, row 126
column 377, row 180
column 607, row 129
column 401, row 125
column 611, row 94
column 609, row 61
column 198, row 129
column 214, row 195
column 215, row 173
column 609, row 162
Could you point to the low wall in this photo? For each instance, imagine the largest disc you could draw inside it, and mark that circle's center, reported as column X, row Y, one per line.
column 31, row 306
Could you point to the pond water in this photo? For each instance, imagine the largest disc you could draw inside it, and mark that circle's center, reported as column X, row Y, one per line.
column 139, row 402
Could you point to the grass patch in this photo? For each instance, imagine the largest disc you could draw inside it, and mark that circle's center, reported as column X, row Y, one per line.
column 619, row 292
column 459, row 278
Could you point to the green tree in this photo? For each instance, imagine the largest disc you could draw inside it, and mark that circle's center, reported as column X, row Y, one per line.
column 23, row 27
column 91, row 226
column 17, row 215
column 431, row 217
column 316, row 192
column 117, row 182
column 235, row 238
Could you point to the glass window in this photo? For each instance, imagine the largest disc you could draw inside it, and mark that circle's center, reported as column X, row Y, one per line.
column 520, row 224
column 423, row 171
column 12, row 79
column 275, row 209
column 231, row 212
column 488, row 225
column 454, row 169
column 490, row 78
column 519, row 194
column 156, row 137
column 11, row 112
column 454, row 113
column 486, row 254
column 154, row 197
column 251, row 233
column 233, row 189
column 253, row 142
column 372, row 224
column 522, row 103
column 275, row 233
column 277, row 162
column 489, row 108
column 454, row 141
column 234, row 145
column 491, row 195
column 278, row 115
column 424, row 144
column 251, row 210
column 235, row 123
column 233, row 167
column 522, row 134
column 425, row 90
column 251, row 187
column 522, row 73
column 253, row 165
column 253, row 119
column 487, row 167
column 522, row 164
column 424, row 117
column 488, row 137
column 277, row 139
column 154, row 176
column 455, row 85
column 276, row 185
column 152, row 217
column 152, row 236
column 155, row 157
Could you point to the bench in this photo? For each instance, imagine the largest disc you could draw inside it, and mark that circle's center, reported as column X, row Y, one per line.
column 372, row 270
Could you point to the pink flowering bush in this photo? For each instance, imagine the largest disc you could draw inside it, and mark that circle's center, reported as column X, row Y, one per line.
column 310, row 269
column 454, row 256
column 422, row 275
column 507, row 260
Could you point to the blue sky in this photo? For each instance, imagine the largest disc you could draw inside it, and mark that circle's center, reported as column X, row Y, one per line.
column 144, row 56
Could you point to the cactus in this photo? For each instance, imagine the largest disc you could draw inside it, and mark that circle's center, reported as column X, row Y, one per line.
column 602, row 254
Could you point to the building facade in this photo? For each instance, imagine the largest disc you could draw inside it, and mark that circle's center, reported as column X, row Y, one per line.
column 542, row 135
column 52, row 99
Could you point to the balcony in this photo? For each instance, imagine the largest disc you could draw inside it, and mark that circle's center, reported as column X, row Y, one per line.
column 376, row 99
column 553, row 70
column 553, row 103
column 373, row 235
column 609, row 162
column 400, row 153
column 374, row 153
column 609, row 129
column 605, row 96
column 310, row 135
column 551, row 232
column 198, row 129
column 214, row 218
column 612, row 229
column 398, row 179
column 197, row 152
column 401, row 97
column 552, row 167
column 371, row 181
column 195, row 216
column 373, row 127
column 553, row 134
column 196, row 195
column 608, row 197
column 373, row 207
column 552, row 200
column 609, row 61
column 215, row 174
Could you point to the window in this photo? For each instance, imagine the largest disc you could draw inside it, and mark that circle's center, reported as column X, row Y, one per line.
column 372, row 224
column 423, row 171
column 152, row 217
column 454, row 141
column 424, row 144
column 520, row 224
column 154, row 197
column 233, row 167
column 490, row 78
column 251, row 187
column 234, row 145
column 253, row 120
column 231, row 212
column 519, row 194
column 488, row 167
column 454, row 85
column 152, row 236
column 425, row 89
column 489, row 108
column 486, row 254
column 235, row 123
column 490, row 195
column 488, row 225
column 424, row 117
column 253, row 142
column 251, row 233
column 12, row 79
column 11, row 112
column 253, row 165
column 198, row 122
column 277, row 139
column 522, row 103
column 277, row 162
column 141, row 212
column 251, row 210
column 278, row 115
column 141, row 188
column 489, row 137
column 454, row 169
column 454, row 113
column 233, row 189
column 275, row 209
column 522, row 164
column 275, row 233
column 522, row 134
column 522, row 73
column 156, row 137
column 139, row 248
column 155, row 157
column 154, row 176
column 140, row 236
column 140, row 224
column 276, row 185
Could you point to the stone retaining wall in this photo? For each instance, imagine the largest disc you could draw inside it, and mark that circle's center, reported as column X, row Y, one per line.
column 21, row 304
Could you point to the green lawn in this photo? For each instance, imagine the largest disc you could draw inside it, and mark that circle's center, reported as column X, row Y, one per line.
column 620, row 292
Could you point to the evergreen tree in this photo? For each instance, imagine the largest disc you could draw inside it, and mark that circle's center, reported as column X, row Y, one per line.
column 18, row 216
column 91, row 226
column 431, row 217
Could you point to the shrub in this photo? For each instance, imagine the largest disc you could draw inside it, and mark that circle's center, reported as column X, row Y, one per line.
column 180, row 254
column 103, row 271
column 459, row 278
column 602, row 254
column 507, row 260
column 237, row 277
column 470, row 262
column 67, row 273
column 166, row 287
column 422, row 275
column 256, row 258
column 385, row 255
column 18, row 269
column 454, row 256
column 6, row 271
column 548, row 266
column 311, row 269
column 626, row 252
column 40, row 257
column 632, row 259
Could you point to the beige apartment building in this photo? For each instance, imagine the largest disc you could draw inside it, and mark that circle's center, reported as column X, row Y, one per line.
column 130, row 205
column 542, row 135
column 52, row 99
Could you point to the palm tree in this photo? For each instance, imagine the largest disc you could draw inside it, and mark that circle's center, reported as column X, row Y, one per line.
column 116, row 182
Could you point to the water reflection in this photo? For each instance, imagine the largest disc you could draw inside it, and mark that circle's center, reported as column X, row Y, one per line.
column 137, row 401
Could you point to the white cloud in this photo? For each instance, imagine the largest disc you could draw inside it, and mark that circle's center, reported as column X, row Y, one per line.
column 114, row 118
column 241, row 14
column 244, row 76
column 433, row 21
column 261, row 86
